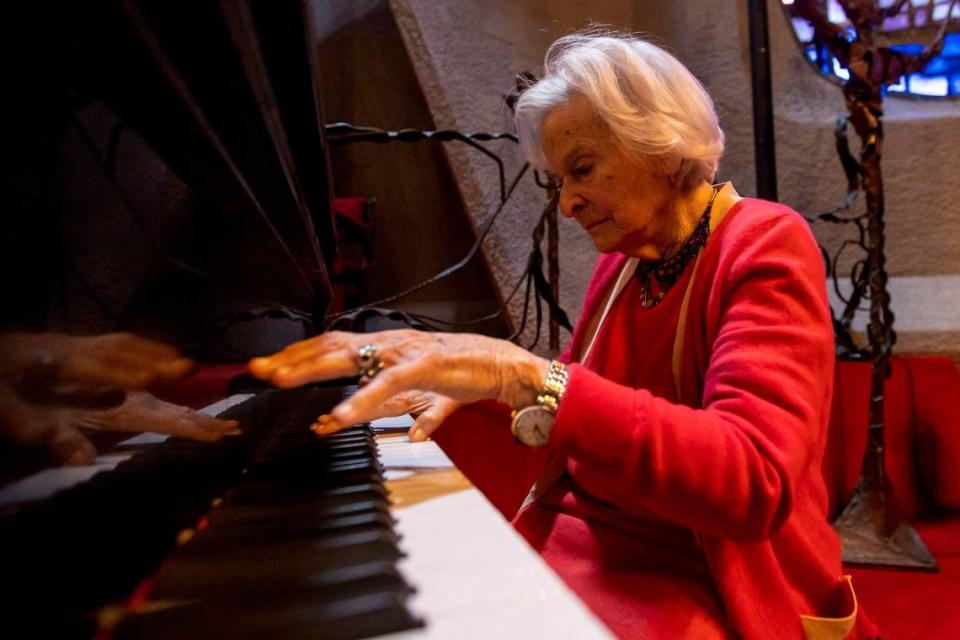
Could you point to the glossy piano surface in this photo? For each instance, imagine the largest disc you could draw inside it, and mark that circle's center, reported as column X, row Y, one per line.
column 275, row 569
column 246, row 537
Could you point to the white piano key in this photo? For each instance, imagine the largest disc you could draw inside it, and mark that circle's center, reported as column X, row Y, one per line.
column 476, row 577
column 226, row 403
column 142, row 439
column 395, row 423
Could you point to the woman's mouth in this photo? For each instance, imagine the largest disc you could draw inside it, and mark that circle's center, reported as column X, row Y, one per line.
column 592, row 225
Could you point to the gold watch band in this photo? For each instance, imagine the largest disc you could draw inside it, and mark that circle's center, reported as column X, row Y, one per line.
column 554, row 386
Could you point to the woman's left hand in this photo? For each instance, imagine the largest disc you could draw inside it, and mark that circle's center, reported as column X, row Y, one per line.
column 429, row 410
column 462, row 367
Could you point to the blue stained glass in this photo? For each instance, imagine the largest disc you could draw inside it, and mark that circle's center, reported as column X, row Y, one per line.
column 937, row 67
column 910, row 49
column 941, row 77
column 951, row 45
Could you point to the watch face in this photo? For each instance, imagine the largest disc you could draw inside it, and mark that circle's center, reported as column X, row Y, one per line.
column 532, row 426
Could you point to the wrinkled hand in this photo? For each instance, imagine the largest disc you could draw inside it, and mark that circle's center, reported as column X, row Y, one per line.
column 429, row 411
column 88, row 371
column 462, row 367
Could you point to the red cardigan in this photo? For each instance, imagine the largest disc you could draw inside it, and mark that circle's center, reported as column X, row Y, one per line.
column 741, row 467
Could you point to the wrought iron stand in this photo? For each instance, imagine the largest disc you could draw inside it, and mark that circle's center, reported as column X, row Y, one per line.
column 871, row 530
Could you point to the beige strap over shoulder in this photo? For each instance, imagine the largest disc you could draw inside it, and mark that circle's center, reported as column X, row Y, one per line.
column 678, row 341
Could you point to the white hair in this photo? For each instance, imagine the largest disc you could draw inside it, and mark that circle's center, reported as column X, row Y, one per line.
column 651, row 104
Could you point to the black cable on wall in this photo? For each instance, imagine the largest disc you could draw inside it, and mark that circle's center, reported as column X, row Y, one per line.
column 763, row 140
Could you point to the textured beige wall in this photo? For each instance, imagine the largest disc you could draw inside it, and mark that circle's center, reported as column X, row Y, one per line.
column 466, row 51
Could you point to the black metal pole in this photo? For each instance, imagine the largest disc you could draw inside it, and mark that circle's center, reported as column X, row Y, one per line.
column 763, row 141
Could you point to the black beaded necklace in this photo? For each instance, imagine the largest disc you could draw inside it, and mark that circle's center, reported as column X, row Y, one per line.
column 657, row 278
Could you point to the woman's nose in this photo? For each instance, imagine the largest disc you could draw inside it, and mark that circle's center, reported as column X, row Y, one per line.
column 570, row 203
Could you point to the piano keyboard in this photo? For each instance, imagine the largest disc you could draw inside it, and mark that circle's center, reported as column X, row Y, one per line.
column 301, row 541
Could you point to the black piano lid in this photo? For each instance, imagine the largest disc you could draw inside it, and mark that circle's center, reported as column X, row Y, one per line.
column 226, row 95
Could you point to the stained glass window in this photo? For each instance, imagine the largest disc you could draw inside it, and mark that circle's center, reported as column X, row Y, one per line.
column 909, row 31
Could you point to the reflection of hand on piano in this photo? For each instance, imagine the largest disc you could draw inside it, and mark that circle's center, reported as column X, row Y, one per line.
column 144, row 412
column 28, row 424
column 52, row 385
column 57, row 369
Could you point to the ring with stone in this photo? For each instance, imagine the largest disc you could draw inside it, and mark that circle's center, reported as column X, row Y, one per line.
column 368, row 362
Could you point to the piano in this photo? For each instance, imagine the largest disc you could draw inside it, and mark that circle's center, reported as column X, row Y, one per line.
column 275, row 533
column 184, row 146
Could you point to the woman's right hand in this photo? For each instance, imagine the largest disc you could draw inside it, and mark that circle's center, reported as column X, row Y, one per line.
column 462, row 366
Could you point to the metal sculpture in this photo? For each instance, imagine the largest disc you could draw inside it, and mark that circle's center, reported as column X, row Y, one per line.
column 539, row 290
column 869, row 527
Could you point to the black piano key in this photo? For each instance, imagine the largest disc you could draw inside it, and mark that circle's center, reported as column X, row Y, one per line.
column 279, row 618
column 246, row 523
column 263, row 566
column 307, row 510
column 268, row 492
column 296, row 514
column 228, row 541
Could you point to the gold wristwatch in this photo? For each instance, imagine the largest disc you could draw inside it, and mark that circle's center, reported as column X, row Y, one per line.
column 532, row 425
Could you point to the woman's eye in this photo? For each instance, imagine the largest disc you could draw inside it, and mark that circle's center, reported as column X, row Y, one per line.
column 583, row 170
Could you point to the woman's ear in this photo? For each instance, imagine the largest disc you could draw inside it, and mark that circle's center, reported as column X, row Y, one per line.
column 669, row 165
column 666, row 165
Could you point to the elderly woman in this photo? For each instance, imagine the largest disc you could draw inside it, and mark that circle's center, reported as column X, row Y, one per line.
column 688, row 419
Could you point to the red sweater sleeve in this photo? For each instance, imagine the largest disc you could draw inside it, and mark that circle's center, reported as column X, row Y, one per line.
column 730, row 468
